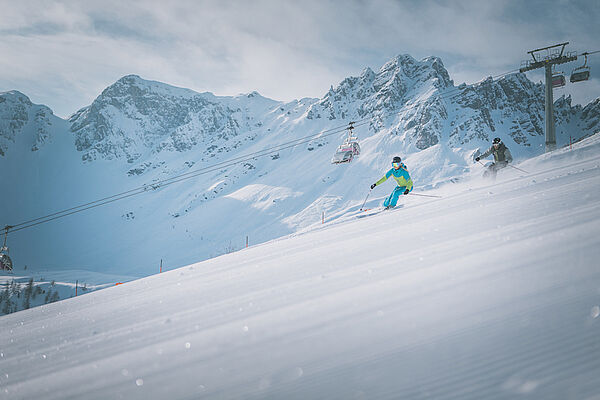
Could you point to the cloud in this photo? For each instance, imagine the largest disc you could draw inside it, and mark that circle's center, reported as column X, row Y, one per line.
column 63, row 53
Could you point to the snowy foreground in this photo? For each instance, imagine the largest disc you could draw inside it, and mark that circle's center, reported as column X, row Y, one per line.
column 492, row 292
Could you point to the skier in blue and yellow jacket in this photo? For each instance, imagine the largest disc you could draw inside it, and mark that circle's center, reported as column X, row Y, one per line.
column 402, row 177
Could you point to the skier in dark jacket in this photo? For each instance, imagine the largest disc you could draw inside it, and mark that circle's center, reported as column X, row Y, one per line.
column 402, row 177
column 501, row 155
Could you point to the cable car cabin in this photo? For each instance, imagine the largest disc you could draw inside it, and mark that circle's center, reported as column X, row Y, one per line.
column 346, row 153
column 558, row 81
column 5, row 261
column 579, row 76
column 347, row 150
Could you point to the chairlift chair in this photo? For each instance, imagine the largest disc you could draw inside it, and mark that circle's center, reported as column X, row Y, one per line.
column 558, row 81
column 582, row 73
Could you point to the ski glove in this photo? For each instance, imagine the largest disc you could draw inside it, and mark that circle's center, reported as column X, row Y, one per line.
column 373, row 186
column 406, row 191
column 477, row 158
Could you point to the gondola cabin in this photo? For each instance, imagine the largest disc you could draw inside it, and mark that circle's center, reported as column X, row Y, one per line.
column 346, row 153
column 5, row 261
column 347, row 150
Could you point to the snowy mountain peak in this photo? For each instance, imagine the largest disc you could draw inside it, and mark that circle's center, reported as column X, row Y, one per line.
column 130, row 79
column 134, row 118
column 19, row 117
column 430, row 68
column 254, row 93
column 367, row 74
column 395, row 83
column 14, row 96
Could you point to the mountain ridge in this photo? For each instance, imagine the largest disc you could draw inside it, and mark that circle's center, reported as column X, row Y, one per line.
column 135, row 118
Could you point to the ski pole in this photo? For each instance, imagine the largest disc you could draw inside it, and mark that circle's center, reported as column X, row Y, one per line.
column 509, row 166
column 518, row 168
column 364, row 202
column 426, row 195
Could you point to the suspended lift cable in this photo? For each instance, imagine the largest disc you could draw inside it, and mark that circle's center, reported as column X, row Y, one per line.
column 221, row 164
column 236, row 160
column 171, row 180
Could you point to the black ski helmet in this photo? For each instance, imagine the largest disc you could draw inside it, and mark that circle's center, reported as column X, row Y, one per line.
column 396, row 159
column 497, row 140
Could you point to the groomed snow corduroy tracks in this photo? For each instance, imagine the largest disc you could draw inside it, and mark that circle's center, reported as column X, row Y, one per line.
column 492, row 292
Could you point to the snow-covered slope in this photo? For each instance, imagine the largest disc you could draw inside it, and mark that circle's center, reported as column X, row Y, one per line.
column 492, row 291
column 138, row 132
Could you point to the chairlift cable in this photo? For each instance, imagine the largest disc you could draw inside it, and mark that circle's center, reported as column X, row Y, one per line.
column 159, row 183
column 168, row 181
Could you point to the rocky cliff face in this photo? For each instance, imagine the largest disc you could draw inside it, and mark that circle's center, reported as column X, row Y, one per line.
column 135, row 117
column 384, row 91
column 18, row 115
column 418, row 101
column 512, row 106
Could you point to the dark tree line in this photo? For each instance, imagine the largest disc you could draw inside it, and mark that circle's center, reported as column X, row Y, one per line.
column 14, row 294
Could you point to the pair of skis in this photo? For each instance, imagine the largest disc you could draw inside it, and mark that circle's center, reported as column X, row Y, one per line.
column 414, row 194
column 367, row 212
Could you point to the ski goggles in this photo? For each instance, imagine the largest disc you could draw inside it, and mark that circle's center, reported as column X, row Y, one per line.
column 396, row 165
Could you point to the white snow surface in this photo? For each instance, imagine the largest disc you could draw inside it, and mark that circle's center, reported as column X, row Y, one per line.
column 490, row 292
column 139, row 132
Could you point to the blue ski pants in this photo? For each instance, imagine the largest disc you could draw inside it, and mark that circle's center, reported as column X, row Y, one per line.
column 393, row 197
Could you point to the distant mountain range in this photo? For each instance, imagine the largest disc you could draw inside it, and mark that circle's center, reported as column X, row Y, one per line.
column 138, row 132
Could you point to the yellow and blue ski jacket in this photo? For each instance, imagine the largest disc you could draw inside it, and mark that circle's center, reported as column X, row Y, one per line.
column 400, row 175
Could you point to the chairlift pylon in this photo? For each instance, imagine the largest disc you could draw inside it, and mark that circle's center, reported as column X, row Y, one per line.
column 348, row 149
column 5, row 261
column 582, row 73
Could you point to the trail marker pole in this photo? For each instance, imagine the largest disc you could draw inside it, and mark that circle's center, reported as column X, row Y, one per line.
column 246, row 241
column 76, row 282
column 160, row 271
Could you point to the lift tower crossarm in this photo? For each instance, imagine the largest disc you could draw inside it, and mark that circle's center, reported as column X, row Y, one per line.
column 549, row 47
column 551, row 59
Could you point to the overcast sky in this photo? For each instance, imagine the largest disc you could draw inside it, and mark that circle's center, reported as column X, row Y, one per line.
column 64, row 53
